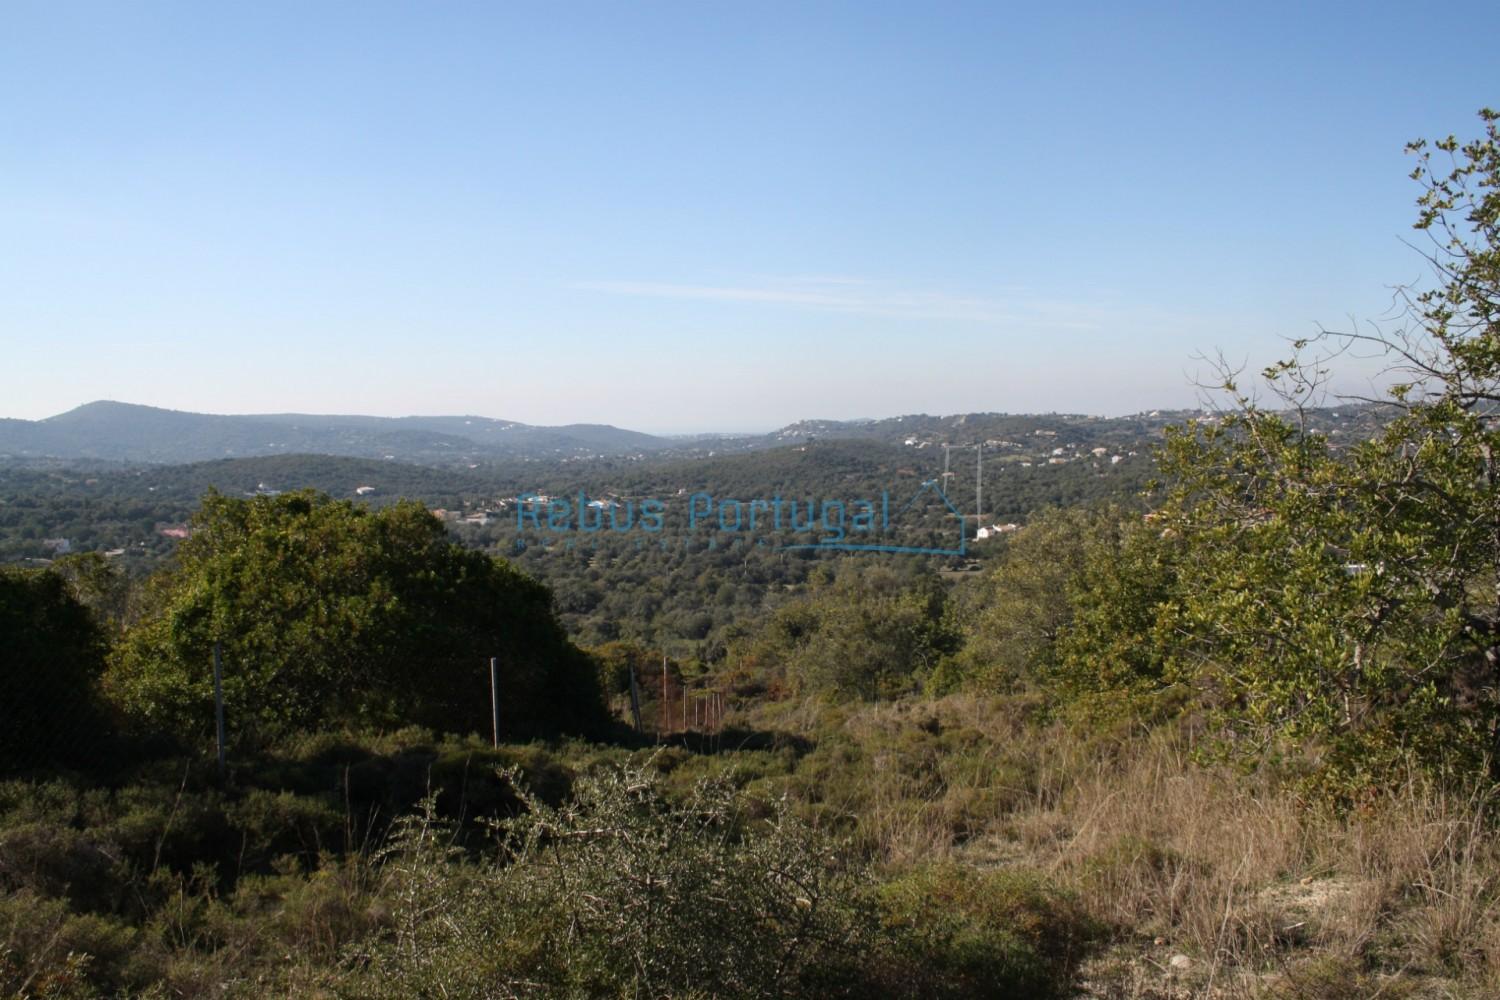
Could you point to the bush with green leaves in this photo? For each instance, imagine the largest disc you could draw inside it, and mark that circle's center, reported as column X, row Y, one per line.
column 869, row 632
column 1016, row 615
column 959, row 932
column 333, row 614
column 1120, row 656
column 619, row 892
column 54, row 654
column 1334, row 603
column 628, row 891
column 1345, row 596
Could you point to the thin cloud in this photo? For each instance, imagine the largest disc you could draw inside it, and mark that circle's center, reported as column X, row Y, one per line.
column 851, row 295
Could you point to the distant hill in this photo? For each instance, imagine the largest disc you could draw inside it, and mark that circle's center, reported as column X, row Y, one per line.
column 1017, row 431
column 124, row 432
column 131, row 433
column 1024, row 433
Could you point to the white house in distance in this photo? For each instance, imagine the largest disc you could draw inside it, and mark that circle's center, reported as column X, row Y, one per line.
column 996, row 530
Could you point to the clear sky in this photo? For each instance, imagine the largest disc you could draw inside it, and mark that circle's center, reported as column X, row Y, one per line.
column 701, row 215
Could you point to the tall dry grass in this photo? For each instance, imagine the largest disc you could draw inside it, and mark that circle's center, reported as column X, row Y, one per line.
column 1212, row 883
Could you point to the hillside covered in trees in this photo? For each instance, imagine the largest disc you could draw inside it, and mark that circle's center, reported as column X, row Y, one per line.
column 1220, row 719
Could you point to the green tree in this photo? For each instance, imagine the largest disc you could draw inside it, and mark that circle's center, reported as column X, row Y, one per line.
column 97, row 584
column 53, row 656
column 330, row 613
column 867, row 633
column 1120, row 653
column 1024, row 602
column 1347, row 599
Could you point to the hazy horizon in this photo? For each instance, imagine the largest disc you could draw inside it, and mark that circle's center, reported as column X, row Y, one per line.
column 660, row 432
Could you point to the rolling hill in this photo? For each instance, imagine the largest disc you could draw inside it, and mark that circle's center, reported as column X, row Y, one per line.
column 132, row 433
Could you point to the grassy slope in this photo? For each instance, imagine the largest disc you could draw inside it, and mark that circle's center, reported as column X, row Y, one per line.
column 1180, row 880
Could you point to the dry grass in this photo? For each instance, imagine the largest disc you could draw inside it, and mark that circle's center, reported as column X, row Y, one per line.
column 1185, row 881
column 1252, row 892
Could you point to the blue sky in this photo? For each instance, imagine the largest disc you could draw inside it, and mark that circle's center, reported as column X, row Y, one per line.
column 701, row 216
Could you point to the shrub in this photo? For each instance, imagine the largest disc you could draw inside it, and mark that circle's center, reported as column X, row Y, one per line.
column 54, row 654
column 329, row 613
column 965, row 933
column 619, row 892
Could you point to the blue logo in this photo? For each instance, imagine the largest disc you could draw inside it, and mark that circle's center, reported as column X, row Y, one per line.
column 926, row 524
